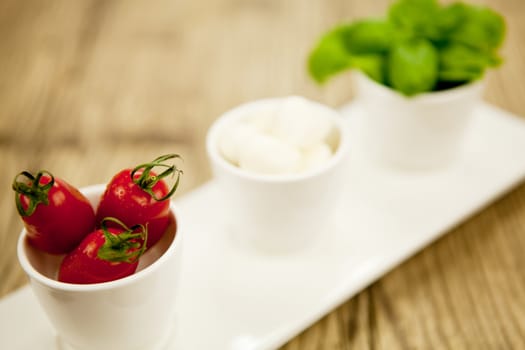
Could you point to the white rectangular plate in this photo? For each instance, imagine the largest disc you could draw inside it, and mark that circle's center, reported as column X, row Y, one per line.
column 234, row 299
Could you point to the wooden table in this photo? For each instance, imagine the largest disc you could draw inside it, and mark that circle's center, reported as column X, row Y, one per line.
column 89, row 87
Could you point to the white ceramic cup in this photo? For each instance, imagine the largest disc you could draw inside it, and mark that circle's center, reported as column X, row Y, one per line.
column 276, row 214
column 132, row 313
column 423, row 132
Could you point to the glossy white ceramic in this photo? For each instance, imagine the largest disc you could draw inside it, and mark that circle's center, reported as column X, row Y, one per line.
column 132, row 313
column 423, row 132
column 232, row 299
column 275, row 214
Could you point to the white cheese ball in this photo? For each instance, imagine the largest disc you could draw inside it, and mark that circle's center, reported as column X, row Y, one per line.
column 264, row 154
column 302, row 123
column 263, row 119
column 232, row 139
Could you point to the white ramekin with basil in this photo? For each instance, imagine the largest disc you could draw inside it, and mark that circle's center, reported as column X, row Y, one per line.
column 418, row 74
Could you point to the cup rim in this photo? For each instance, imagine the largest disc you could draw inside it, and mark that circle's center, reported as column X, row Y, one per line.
column 72, row 287
column 431, row 96
column 240, row 111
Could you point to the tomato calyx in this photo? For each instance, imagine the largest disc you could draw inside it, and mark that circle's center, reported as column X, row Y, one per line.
column 32, row 189
column 146, row 180
column 127, row 246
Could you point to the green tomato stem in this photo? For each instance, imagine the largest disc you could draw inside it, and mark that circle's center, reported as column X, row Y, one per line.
column 146, row 181
column 127, row 246
column 31, row 188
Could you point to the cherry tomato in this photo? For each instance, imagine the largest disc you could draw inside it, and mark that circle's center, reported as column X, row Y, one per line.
column 55, row 214
column 140, row 196
column 104, row 255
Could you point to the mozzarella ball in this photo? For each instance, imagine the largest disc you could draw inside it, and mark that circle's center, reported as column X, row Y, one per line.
column 263, row 120
column 264, row 154
column 301, row 123
column 232, row 139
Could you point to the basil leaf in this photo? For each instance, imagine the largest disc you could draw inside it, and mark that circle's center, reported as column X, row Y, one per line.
column 460, row 75
column 371, row 36
column 360, row 45
column 481, row 28
column 447, row 20
column 371, row 65
column 462, row 63
column 330, row 56
column 417, row 18
column 413, row 67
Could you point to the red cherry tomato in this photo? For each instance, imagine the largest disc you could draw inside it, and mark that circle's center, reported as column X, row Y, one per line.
column 107, row 254
column 140, row 196
column 55, row 214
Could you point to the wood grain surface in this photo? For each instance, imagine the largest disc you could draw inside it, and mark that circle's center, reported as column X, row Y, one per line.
column 88, row 87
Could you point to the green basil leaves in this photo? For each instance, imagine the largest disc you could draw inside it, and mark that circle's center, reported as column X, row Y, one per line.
column 420, row 46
